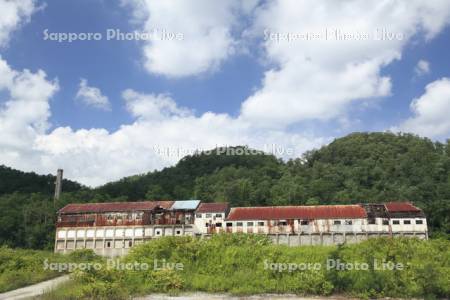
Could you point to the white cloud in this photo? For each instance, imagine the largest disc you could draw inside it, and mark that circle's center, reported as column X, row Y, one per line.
column 92, row 96
column 422, row 67
column 319, row 79
column 206, row 27
column 151, row 106
column 431, row 111
column 12, row 14
column 161, row 134
column 24, row 113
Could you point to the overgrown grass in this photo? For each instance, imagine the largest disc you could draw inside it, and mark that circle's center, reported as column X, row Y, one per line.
column 22, row 267
column 237, row 264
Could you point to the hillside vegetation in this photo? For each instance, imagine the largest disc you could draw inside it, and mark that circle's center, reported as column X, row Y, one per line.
column 361, row 167
column 23, row 267
column 244, row 265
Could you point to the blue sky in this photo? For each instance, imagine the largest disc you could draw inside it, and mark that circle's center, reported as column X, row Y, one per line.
column 223, row 84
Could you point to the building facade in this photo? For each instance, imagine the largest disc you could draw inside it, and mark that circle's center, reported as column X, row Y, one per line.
column 111, row 229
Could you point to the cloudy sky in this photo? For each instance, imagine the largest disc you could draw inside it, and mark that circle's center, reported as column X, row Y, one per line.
column 141, row 83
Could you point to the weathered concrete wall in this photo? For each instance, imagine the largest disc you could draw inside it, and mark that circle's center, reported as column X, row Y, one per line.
column 306, row 239
column 114, row 241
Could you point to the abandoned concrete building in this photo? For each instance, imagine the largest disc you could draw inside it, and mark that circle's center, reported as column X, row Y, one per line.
column 111, row 229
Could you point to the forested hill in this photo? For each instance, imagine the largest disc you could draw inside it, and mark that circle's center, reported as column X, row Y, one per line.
column 181, row 181
column 361, row 167
column 17, row 181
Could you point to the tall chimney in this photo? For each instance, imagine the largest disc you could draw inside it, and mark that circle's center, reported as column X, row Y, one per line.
column 58, row 185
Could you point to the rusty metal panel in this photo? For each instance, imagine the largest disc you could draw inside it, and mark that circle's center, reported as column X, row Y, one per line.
column 75, row 208
column 401, row 207
column 297, row 212
column 213, row 207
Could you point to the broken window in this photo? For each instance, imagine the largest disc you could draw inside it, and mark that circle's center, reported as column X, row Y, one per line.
column 218, row 215
column 304, row 222
column 348, row 222
column 395, row 222
column 250, row 224
column 419, row 222
column 218, row 224
column 372, row 221
column 198, row 216
column 260, row 223
column 337, row 222
column 229, row 224
column 407, row 222
column 385, row 222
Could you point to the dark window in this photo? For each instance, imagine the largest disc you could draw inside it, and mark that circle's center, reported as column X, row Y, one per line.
column 130, row 243
column 108, row 244
column 218, row 224
column 239, row 224
column 372, row 221
column 199, row 216
column 348, row 222
column 229, row 224
column 158, row 232
column 207, row 225
column 282, row 223
column 407, row 222
column 304, row 222
column 178, row 232
column 385, row 222
column 419, row 221
column 396, row 222
column 218, row 215
column 260, row 223
column 337, row 222
column 249, row 223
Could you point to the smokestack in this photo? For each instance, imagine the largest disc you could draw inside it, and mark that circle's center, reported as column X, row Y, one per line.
column 58, row 185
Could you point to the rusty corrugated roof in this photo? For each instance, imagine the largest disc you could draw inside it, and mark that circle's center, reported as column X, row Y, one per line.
column 212, row 207
column 401, row 207
column 113, row 207
column 297, row 212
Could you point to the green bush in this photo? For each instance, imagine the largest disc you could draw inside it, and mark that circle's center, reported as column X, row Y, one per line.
column 21, row 267
column 241, row 264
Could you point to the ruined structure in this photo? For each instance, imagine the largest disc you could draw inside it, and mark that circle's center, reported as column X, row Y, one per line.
column 111, row 229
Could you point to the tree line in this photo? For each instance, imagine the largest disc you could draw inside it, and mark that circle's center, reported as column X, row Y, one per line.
column 358, row 168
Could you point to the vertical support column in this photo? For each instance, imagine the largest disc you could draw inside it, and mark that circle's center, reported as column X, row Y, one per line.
column 65, row 243
column 94, row 240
